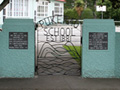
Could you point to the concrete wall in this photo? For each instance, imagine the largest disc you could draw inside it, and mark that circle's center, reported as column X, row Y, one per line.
column 117, row 55
column 32, row 5
column 98, row 63
column 17, row 62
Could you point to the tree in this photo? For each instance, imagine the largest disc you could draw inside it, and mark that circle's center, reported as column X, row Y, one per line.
column 110, row 13
column 71, row 14
column 112, row 6
column 115, row 4
column 69, row 4
column 92, row 5
column 79, row 6
column 3, row 4
column 87, row 14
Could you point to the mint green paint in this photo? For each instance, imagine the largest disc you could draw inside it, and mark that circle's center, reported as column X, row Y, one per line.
column 0, row 26
column 98, row 63
column 117, row 55
column 14, row 62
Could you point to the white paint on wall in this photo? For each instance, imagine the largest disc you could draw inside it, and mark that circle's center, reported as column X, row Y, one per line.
column 1, row 14
column 117, row 28
column 31, row 9
column 1, row 17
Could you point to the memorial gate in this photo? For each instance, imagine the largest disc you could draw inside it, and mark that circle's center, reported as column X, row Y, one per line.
column 56, row 49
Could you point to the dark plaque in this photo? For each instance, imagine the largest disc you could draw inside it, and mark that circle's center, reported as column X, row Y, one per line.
column 18, row 40
column 98, row 40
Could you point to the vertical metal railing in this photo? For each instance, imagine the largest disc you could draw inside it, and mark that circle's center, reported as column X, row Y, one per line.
column 36, row 50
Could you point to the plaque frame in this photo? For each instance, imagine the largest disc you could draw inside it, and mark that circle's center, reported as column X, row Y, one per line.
column 24, row 48
column 103, row 47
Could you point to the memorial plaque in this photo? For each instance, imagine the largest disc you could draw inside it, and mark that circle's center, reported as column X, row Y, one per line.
column 18, row 40
column 98, row 41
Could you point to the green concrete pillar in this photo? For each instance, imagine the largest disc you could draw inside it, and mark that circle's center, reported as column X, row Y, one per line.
column 98, row 49
column 17, row 48
column 117, row 54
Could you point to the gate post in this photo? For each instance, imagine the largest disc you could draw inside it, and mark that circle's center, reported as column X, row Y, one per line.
column 36, row 51
column 17, row 48
column 98, row 49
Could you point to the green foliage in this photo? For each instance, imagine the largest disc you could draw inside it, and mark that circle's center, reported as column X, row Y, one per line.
column 69, row 4
column 90, row 4
column 116, row 14
column 79, row 6
column 110, row 13
column 87, row 14
column 75, row 52
column 115, row 4
column 71, row 14
column 79, row 3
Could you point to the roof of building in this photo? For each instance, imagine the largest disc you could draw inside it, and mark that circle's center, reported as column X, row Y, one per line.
column 61, row 0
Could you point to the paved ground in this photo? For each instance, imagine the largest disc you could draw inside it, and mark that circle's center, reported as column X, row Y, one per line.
column 59, row 83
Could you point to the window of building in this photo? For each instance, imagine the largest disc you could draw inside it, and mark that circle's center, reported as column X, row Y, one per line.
column 58, row 9
column 17, row 8
column 4, row 14
column 42, row 9
column 35, row 15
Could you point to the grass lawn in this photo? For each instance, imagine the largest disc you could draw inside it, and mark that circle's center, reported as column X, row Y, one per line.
column 75, row 52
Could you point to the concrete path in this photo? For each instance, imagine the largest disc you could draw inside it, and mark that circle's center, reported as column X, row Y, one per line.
column 59, row 83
